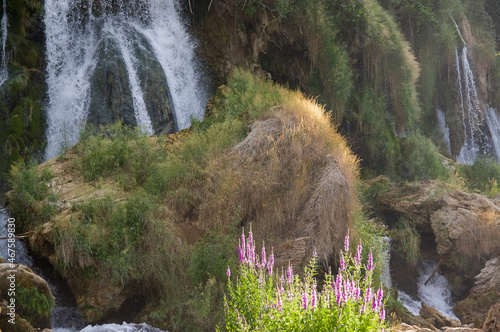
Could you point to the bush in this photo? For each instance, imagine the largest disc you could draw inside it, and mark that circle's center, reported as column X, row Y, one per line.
column 33, row 305
column 421, row 159
column 259, row 299
column 31, row 201
column 481, row 175
column 407, row 243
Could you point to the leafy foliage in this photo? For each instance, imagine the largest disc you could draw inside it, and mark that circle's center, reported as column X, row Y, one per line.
column 260, row 299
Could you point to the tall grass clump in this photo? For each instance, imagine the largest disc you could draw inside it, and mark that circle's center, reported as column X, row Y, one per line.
column 407, row 243
column 31, row 200
column 261, row 298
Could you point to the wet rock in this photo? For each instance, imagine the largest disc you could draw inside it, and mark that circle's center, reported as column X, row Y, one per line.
column 492, row 322
column 484, row 294
column 464, row 227
column 434, row 317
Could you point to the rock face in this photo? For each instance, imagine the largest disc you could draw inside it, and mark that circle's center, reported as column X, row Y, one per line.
column 492, row 322
column 464, row 227
column 485, row 293
column 434, row 317
column 21, row 325
column 24, row 277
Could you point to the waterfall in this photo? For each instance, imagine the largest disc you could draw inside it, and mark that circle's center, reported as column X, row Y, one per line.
column 493, row 121
column 3, row 26
column 140, row 48
column 470, row 107
column 472, row 110
column 436, row 293
column 445, row 131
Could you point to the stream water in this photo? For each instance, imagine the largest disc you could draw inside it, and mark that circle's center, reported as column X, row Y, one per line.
column 436, row 293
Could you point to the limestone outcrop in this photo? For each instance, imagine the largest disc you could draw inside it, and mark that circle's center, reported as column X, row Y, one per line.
column 21, row 278
column 482, row 298
column 465, row 227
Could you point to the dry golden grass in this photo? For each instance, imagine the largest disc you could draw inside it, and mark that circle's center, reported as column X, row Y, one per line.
column 292, row 176
column 481, row 238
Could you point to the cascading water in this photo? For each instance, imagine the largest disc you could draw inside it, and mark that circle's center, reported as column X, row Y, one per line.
column 3, row 26
column 445, row 131
column 493, row 121
column 436, row 293
column 130, row 60
column 475, row 115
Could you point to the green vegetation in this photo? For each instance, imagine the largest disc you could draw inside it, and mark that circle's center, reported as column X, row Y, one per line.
column 32, row 200
column 22, row 121
column 483, row 175
column 196, row 186
column 261, row 298
column 407, row 243
column 33, row 305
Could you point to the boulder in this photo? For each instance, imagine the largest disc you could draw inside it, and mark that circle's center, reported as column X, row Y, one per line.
column 464, row 227
column 434, row 317
column 484, row 294
column 23, row 276
column 492, row 322
column 17, row 325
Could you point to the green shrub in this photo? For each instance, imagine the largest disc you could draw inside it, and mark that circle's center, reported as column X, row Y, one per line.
column 260, row 299
column 407, row 242
column 421, row 159
column 33, row 305
column 31, row 200
column 481, row 174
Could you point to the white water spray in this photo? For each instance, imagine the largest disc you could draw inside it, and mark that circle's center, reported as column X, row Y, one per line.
column 493, row 121
column 75, row 33
column 436, row 293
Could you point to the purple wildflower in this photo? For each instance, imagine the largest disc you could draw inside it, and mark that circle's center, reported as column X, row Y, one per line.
column 250, row 239
column 263, row 263
column 346, row 242
column 241, row 255
column 357, row 258
column 368, row 295
column 380, row 296
column 228, row 272
column 279, row 304
column 304, row 300
column 289, row 274
column 313, row 296
column 370, row 262
column 382, row 314
column 342, row 263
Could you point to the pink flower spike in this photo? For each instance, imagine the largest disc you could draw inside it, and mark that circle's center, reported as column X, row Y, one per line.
column 370, row 262
column 342, row 264
column 289, row 274
column 382, row 314
column 346, row 242
column 304, row 300
column 357, row 258
column 228, row 272
column 241, row 258
column 263, row 258
column 250, row 238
